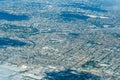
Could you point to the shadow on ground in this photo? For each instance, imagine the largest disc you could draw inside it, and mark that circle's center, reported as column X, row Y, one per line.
column 71, row 75
column 12, row 17
column 4, row 42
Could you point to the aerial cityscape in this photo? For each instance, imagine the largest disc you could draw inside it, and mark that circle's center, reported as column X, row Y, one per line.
column 59, row 40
